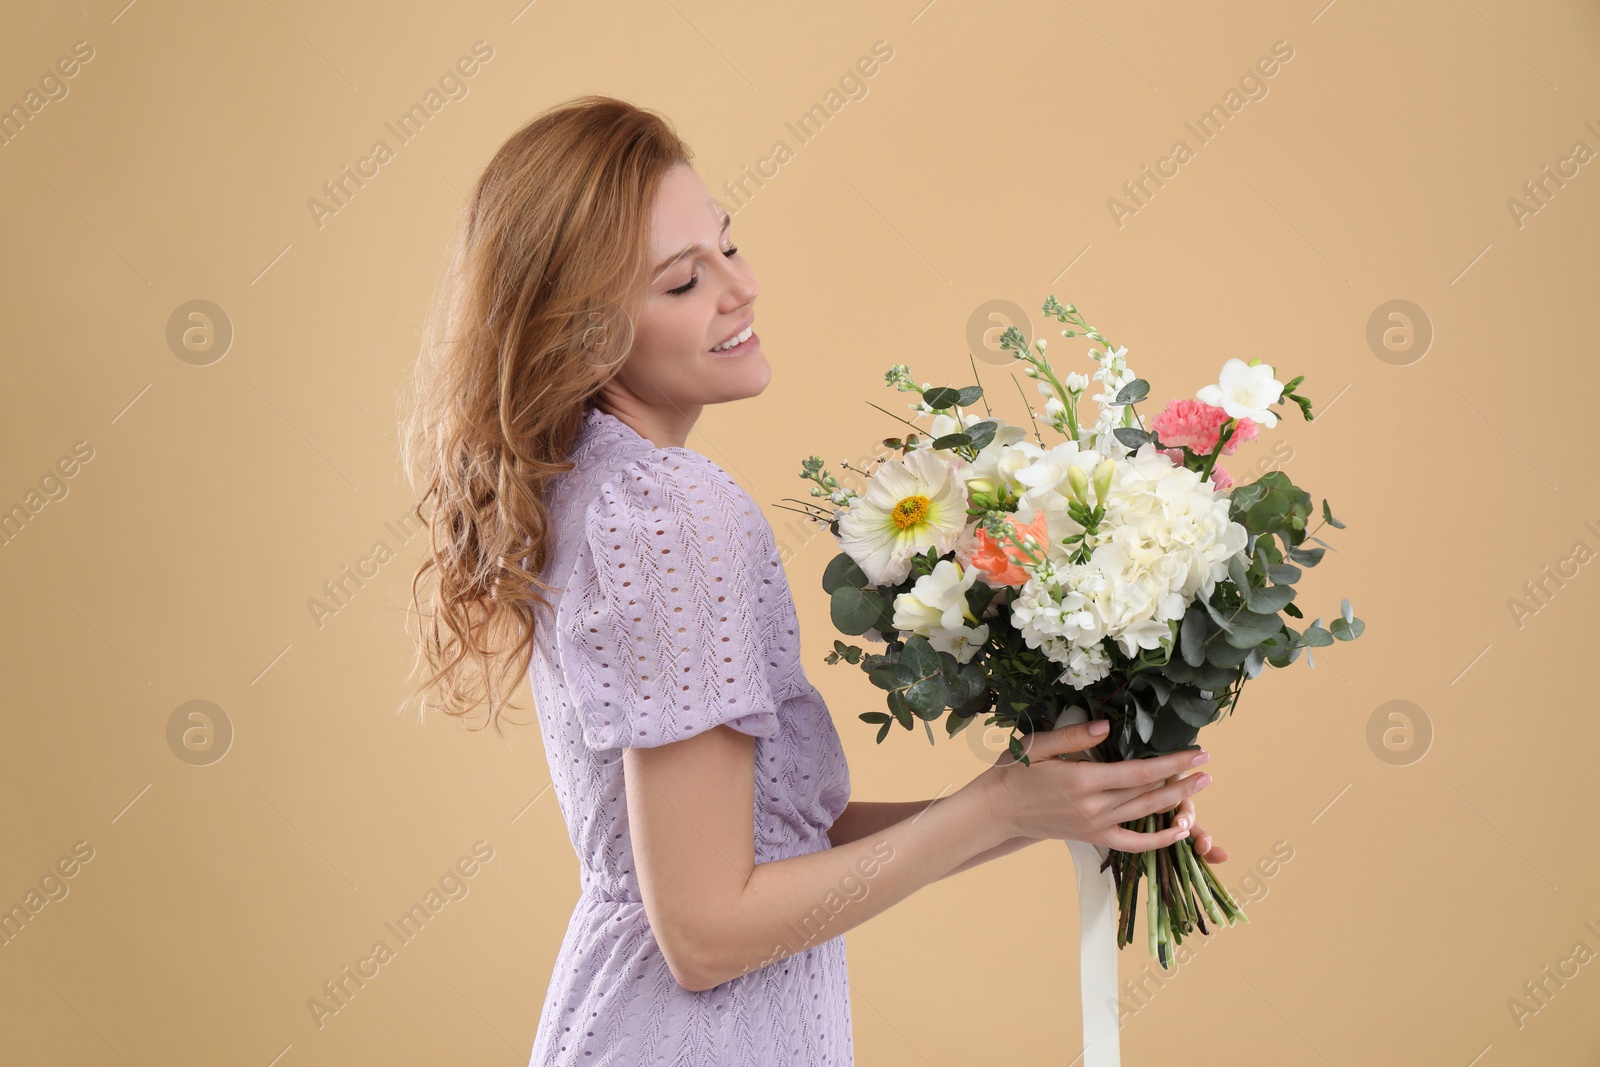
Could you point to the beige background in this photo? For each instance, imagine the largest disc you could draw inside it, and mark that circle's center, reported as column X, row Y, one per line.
column 1421, row 894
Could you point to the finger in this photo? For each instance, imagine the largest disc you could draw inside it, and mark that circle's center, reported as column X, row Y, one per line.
column 1148, row 771
column 1206, row 847
column 1162, row 799
column 1116, row 798
column 1079, row 737
column 1185, row 815
column 1125, row 840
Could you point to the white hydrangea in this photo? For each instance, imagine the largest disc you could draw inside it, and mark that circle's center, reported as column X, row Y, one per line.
column 1165, row 539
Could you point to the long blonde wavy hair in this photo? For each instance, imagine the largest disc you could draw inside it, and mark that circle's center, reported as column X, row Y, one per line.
column 534, row 314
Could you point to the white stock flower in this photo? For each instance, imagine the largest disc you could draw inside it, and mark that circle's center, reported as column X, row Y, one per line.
column 936, row 608
column 911, row 504
column 1245, row 392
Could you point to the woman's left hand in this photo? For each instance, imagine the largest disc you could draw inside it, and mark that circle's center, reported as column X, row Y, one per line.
column 1204, row 847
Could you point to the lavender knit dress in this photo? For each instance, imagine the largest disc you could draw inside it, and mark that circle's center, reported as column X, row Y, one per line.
column 675, row 616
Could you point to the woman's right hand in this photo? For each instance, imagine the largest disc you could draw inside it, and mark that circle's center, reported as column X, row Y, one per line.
column 1085, row 800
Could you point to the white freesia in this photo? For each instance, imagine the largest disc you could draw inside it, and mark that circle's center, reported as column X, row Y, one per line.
column 997, row 462
column 911, row 504
column 936, row 608
column 1245, row 391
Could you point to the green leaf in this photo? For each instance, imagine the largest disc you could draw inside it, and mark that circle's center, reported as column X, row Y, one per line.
column 854, row 611
column 883, row 731
column 1216, row 616
column 1142, row 718
column 1328, row 516
column 1194, row 709
column 842, row 570
column 1347, row 631
column 1238, row 574
column 920, row 656
column 982, row 433
column 891, row 676
column 1250, row 629
column 1308, row 556
column 1270, row 503
column 941, row 397
column 1222, row 654
column 952, row 440
column 901, row 709
column 1131, row 436
column 1270, row 598
column 1284, row 573
column 1316, row 636
column 1192, row 636
column 970, row 395
column 1133, row 392
column 873, row 717
column 928, row 697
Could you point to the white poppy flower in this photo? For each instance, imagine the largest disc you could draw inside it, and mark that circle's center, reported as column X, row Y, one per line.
column 911, row 504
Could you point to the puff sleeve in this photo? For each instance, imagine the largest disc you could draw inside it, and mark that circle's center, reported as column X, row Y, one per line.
column 667, row 636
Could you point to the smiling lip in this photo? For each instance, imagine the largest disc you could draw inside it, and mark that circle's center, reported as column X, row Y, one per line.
column 739, row 347
column 748, row 344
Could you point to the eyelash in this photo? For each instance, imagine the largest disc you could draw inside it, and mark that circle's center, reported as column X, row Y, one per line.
column 732, row 251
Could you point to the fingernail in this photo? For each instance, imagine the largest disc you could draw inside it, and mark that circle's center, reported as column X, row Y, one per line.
column 1183, row 822
column 1199, row 759
column 1202, row 781
column 1183, row 835
column 1099, row 726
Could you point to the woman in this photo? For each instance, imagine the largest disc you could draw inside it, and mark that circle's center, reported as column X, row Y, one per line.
column 597, row 304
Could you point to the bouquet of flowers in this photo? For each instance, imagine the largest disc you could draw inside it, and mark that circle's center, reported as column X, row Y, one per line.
column 1120, row 574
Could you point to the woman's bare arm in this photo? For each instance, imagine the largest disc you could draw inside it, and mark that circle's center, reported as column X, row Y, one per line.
column 863, row 817
column 717, row 914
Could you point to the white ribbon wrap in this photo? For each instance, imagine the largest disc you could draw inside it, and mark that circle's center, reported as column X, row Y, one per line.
column 1097, row 938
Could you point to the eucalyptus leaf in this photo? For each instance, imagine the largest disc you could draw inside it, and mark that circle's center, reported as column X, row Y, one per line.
column 952, row 440
column 1145, row 721
column 854, row 611
column 1347, row 631
column 1284, row 573
column 1270, row 598
column 928, row 697
column 970, row 395
column 1192, row 636
column 1308, row 556
column 1131, row 436
column 842, row 570
column 1133, row 392
column 1250, row 629
column 1192, row 708
column 941, row 397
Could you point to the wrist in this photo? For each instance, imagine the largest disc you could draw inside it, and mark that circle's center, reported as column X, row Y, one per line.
column 992, row 810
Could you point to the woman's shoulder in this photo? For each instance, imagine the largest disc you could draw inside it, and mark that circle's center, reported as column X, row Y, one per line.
column 671, row 482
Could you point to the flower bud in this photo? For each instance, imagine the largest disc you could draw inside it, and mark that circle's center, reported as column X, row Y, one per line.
column 1078, row 482
column 1102, row 479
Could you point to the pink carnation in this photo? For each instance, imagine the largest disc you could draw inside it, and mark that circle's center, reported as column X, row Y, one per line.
column 1197, row 425
column 1221, row 480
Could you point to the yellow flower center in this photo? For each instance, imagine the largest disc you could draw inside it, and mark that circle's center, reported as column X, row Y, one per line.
column 910, row 512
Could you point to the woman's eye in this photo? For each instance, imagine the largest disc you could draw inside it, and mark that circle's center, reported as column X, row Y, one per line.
column 694, row 278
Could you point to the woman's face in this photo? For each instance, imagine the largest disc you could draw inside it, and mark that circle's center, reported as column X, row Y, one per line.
column 700, row 292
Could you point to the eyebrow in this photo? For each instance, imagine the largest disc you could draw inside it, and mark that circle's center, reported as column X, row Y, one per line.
column 667, row 263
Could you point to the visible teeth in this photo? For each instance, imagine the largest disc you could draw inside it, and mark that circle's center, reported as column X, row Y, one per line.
column 741, row 338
